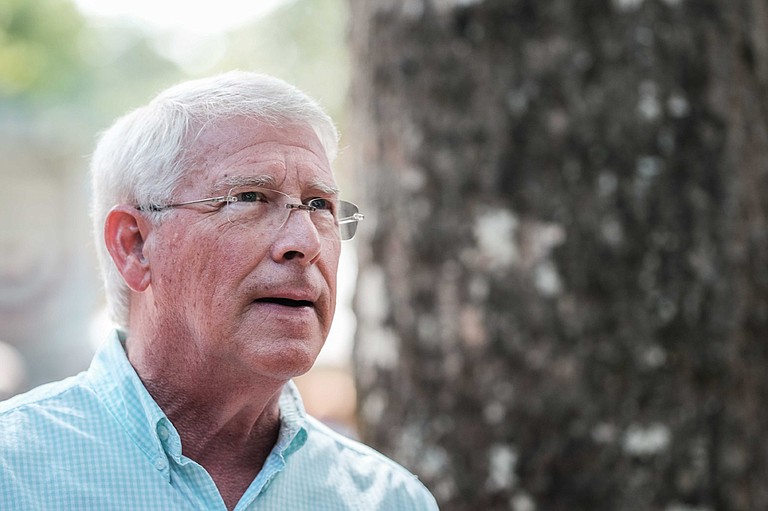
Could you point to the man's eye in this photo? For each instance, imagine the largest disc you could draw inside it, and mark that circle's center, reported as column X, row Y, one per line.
column 252, row 196
column 321, row 204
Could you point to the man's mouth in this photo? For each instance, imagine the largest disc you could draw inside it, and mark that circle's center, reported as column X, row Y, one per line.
column 286, row 302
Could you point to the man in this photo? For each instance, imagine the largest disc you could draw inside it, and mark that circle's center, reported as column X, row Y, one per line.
column 221, row 228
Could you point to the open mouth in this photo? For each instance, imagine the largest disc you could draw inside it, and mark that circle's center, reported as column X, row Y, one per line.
column 286, row 302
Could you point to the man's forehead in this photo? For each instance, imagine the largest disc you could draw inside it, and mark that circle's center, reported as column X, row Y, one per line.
column 246, row 151
column 244, row 131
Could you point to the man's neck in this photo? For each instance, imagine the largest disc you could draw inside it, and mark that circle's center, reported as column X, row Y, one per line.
column 232, row 447
column 227, row 424
column 231, row 452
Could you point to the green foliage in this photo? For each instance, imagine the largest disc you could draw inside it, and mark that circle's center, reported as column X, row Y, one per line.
column 39, row 49
column 55, row 62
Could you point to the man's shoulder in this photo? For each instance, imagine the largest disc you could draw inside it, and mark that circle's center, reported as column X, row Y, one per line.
column 324, row 437
column 43, row 394
column 362, row 466
column 46, row 406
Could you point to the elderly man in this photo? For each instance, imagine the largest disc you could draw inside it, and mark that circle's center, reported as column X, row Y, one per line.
column 220, row 226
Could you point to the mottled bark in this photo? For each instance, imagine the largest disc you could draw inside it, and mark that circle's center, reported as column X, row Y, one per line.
column 563, row 293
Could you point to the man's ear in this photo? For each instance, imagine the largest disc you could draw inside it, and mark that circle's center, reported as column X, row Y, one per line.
column 125, row 232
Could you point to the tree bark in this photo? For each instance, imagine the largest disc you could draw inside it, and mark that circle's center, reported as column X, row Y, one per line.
column 563, row 288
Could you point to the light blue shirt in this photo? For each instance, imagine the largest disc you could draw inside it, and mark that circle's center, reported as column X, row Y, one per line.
column 98, row 441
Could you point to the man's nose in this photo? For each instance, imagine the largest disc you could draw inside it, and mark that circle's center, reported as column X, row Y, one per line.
column 298, row 238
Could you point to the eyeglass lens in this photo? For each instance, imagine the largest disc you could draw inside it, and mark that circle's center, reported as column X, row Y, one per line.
column 268, row 210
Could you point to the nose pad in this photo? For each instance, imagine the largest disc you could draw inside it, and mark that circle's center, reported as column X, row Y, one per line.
column 298, row 210
column 305, row 207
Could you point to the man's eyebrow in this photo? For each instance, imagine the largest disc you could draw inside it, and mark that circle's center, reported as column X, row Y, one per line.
column 227, row 182
column 323, row 188
column 267, row 181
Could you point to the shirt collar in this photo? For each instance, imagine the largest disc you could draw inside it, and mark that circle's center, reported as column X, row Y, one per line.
column 293, row 433
column 115, row 381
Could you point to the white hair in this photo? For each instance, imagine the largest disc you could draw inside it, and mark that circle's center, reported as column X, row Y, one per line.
column 141, row 158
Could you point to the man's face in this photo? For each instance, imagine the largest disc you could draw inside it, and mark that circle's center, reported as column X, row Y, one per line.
column 234, row 297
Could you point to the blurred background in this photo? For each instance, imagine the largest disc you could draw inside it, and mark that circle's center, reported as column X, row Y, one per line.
column 559, row 296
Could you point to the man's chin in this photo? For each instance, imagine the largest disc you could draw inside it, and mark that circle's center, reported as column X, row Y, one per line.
column 285, row 358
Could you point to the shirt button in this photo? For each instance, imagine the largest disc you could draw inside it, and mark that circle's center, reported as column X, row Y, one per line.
column 162, row 432
column 160, row 464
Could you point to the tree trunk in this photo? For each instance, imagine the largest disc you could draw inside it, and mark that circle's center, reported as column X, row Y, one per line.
column 563, row 288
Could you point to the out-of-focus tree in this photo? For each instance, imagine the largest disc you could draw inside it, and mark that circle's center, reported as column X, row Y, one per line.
column 565, row 298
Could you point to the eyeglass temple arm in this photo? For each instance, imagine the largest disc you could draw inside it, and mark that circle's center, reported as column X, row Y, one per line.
column 354, row 218
column 157, row 207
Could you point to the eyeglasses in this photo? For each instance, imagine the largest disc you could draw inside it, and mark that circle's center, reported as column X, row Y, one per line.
column 268, row 210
